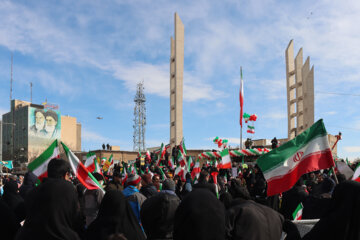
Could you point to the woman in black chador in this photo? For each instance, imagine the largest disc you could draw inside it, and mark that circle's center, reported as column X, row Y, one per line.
column 115, row 217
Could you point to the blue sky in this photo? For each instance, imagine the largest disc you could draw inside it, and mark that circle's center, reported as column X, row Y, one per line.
column 88, row 56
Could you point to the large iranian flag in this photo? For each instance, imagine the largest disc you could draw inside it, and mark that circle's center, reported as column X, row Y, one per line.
column 356, row 176
column 84, row 176
column 90, row 161
column 283, row 166
column 39, row 165
column 196, row 171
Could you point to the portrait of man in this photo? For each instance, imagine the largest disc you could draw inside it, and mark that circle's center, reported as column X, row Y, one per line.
column 39, row 124
column 51, row 121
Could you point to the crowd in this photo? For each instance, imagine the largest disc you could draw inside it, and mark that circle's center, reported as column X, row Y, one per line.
column 151, row 205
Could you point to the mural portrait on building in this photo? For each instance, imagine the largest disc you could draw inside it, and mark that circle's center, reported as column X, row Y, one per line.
column 44, row 128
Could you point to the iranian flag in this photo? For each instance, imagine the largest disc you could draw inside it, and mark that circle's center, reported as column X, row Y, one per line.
column 241, row 96
column 283, row 166
column 225, row 159
column 124, row 176
column 161, row 154
column 250, row 129
column 181, row 171
column 195, row 173
column 163, row 175
column 39, row 165
column 297, row 215
column 90, row 161
column 181, row 159
column 182, row 147
column 171, row 163
column 84, row 176
column 148, row 156
column 356, row 176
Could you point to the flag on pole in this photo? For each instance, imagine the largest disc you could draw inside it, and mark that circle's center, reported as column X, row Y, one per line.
column 308, row 152
column 161, row 154
column 225, row 159
column 182, row 147
column 250, row 129
column 181, row 159
column 90, row 161
column 297, row 215
column 107, row 164
column 356, row 176
column 124, row 176
column 196, row 171
column 84, row 176
column 39, row 165
column 171, row 163
column 241, row 97
column 7, row 164
column 148, row 156
column 163, row 175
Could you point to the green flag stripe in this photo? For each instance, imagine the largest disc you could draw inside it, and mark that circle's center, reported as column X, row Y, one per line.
column 44, row 156
column 278, row 155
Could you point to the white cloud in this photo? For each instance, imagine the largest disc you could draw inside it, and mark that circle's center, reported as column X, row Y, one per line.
column 352, row 149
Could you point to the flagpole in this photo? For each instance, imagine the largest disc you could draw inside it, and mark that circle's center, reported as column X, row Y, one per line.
column 240, row 110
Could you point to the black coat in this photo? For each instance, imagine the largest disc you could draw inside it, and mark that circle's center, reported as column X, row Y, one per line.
column 200, row 215
column 148, row 190
column 249, row 220
column 342, row 220
column 291, row 199
column 157, row 215
column 115, row 216
column 53, row 211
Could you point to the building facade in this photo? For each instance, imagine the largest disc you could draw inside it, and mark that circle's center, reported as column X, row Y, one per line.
column 28, row 129
column 176, row 83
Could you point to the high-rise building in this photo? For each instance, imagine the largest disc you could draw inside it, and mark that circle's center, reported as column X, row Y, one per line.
column 176, row 82
column 28, row 129
column 300, row 91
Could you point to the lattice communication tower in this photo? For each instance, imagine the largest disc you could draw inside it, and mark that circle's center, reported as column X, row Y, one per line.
column 139, row 118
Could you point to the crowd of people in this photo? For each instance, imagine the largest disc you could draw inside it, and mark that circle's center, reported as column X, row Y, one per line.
column 148, row 204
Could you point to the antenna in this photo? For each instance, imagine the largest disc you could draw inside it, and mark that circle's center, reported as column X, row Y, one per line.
column 139, row 118
column 31, row 91
column 11, row 77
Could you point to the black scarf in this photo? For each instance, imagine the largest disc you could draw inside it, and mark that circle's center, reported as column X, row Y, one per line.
column 200, row 216
column 115, row 216
column 53, row 211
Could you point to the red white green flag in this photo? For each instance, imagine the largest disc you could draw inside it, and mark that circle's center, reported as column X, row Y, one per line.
column 356, row 176
column 309, row 151
column 90, row 161
column 171, row 163
column 195, row 173
column 225, row 159
column 161, row 154
column 250, row 129
column 297, row 215
column 181, row 158
column 182, row 147
column 39, row 165
column 84, row 176
column 124, row 176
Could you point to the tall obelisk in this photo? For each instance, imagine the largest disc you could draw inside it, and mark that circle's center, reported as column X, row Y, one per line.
column 176, row 82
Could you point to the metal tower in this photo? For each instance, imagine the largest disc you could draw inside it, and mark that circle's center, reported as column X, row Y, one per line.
column 139, row 118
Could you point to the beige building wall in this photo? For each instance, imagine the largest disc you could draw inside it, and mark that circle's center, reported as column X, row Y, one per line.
column 300, row 91
column 176, row 82
column 70, row 133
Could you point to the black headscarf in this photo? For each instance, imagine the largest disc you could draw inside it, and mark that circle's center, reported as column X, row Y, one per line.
column 28, row 184
column 200, row 216
column 115, row 216
column 157, row 215
column 249, row 220
column 13, row 199
column 342, row 221
column 53, row 211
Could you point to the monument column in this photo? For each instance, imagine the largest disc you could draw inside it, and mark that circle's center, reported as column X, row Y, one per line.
column 176, row 82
